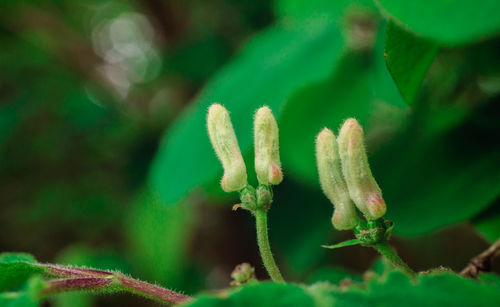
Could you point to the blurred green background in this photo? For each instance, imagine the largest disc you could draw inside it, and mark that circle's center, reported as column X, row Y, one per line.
column 105, row 161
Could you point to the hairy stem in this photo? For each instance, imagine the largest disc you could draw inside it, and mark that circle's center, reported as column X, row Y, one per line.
column 386, row 250
column 264, row 247
column 77, row 284
column 83, row 279
column 150, row 291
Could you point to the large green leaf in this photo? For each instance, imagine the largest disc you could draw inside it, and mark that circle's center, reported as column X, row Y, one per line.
column 15, row 269
column 272, row 66
column 264, row 295
column 408, row 58
column 394, row 289
column 436, row 289
column 447, row 22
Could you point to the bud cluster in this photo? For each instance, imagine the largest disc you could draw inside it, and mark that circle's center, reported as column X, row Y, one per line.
column 267, row 159
column 345, row 176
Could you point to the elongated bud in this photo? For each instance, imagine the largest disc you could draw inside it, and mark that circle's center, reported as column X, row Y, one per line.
column 363, row 188
column 267, row 156
column 221, row 133
column 332, row 181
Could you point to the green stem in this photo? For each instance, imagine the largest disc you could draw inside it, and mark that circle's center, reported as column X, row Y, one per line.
column 264, row 247
column 386, row 250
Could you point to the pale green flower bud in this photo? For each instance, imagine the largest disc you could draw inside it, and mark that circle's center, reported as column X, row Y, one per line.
column 223, row 138
column 332, row 181
column 267, row 156
column 363, row 188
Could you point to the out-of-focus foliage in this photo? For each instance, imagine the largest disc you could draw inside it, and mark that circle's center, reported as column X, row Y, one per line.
column 27, row 296
column 20, row 284
column 408, row 58
column 395, row 289
column 15, row 269
column 105, row 160
column 447, row 22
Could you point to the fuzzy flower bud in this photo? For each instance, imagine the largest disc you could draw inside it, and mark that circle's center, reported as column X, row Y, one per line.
column 242, row 274
column 363, row 188
column 267, row 156
column 223, row 138
column 332, row 181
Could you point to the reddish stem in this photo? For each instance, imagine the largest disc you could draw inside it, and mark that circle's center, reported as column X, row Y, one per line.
column 68, row 271
column 152, row 291
column 91, row 279
column 63, row 285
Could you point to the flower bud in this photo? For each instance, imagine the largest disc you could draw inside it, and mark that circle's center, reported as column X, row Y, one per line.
column 267, row 156
column 248, row 198
column 363, row 188
column 332, row 181
column 221, row 133
column 264, row 196
column 242, row 274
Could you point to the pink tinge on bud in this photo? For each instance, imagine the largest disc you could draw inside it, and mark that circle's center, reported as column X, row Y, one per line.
column 335, row 219
column 276, row 175
column 363, row 188
column 223, row 183
column 376, row 204
column 344, row 217
column 266, row 142
column 351, row 123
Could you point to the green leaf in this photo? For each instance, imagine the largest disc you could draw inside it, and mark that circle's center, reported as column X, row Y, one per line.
column 343, row 244
column 408, row 58
column 271, row 67
column 15, row 269
column 436, row 289
column 28, row 296
column 447, row 22
column 265, row 294
column 395, row 289
column 490, row 279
